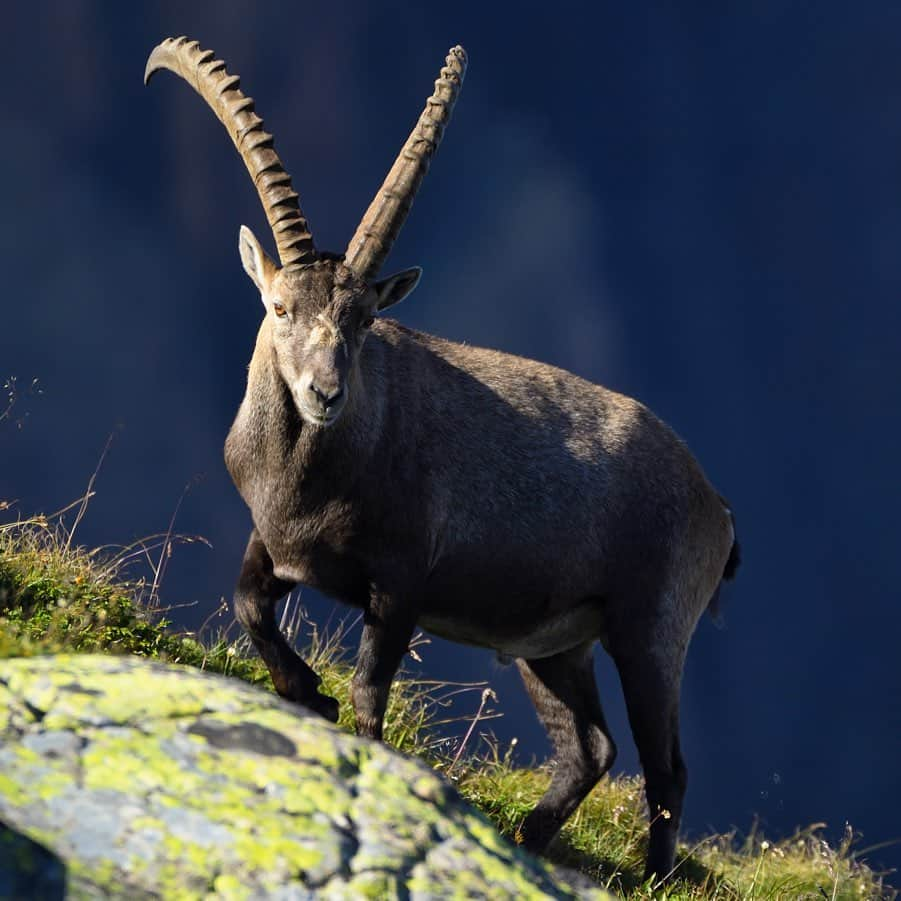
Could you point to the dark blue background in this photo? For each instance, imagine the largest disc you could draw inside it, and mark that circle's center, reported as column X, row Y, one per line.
column 699, row 206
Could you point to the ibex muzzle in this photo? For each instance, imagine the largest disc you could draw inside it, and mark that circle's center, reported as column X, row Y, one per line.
column 494, row 500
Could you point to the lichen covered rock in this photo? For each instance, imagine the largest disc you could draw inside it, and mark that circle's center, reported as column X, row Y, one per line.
column 128, row 778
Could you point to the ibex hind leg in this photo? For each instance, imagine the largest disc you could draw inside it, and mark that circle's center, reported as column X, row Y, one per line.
column 256, row 596
column 651, row 684
column 565, row 695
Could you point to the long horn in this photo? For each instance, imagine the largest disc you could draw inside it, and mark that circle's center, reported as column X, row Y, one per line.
column 208, row 77
column 386, row 214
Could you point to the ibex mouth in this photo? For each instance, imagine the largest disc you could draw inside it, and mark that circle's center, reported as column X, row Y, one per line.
column 318, row 417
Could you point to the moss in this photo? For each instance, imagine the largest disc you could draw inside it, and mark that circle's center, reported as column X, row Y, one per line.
column 56, row 598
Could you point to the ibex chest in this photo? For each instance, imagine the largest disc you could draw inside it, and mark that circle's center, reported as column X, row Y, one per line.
column 304, row 507
column 316, row 548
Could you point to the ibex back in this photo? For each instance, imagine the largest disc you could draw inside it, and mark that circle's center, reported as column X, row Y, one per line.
column 490, row 499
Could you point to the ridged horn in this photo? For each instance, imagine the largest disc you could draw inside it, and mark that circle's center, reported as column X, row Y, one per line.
column 386, row 214
column 209, row 78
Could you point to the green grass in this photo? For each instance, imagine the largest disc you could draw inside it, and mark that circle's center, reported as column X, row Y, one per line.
column 55, row 596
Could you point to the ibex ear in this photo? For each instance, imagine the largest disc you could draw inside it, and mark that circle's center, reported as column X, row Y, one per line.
column 257, row 263
column 396, row 287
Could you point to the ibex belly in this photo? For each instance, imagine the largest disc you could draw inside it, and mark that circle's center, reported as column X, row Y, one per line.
column 548, row 635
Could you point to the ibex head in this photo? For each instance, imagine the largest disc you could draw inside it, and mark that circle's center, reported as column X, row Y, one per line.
column 319, row 306
column 319, row 314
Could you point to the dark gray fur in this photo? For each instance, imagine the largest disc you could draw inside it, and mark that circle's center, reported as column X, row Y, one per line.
column 490, row 499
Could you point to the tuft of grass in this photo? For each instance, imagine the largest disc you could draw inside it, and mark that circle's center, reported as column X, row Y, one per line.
column 606, row 839
column 56, row 596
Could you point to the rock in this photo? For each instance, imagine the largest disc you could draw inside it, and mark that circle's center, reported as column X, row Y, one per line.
column 123, row 777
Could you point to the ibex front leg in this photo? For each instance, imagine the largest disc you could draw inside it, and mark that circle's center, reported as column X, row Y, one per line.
column 388, row 625
column 258, row 591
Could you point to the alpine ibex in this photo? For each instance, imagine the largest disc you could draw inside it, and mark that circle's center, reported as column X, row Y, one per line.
column 490, row 499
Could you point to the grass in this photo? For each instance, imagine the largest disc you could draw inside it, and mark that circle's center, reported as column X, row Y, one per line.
column 56, row 596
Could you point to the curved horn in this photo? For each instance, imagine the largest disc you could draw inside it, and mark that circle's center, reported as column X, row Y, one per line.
column 208, row 77
column 386, row 214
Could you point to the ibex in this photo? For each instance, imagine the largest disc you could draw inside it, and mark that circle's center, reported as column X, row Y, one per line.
column 489, row 499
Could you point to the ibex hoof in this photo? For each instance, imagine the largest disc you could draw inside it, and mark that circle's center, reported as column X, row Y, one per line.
column 325, row 706
column 369, row 727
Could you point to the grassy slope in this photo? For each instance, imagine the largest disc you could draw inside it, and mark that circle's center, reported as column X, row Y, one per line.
column 57, row 598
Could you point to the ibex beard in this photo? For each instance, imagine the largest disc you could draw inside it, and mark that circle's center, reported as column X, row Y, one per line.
column 493, row 500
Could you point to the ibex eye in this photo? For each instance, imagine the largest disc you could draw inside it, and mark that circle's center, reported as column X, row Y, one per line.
column 280, row 310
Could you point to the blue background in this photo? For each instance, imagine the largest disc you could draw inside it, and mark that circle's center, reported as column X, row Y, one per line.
column 699, row 206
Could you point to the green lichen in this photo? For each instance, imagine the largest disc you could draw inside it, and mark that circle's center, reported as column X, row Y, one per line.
column 183, row 784
column 230, row 888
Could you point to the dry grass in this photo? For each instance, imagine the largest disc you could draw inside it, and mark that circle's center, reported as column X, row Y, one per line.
column 57, row 596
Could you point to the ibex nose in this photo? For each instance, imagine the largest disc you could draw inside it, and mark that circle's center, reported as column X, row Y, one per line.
column 326, row 399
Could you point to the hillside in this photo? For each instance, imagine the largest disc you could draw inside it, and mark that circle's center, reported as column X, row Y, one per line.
column 57, row 597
